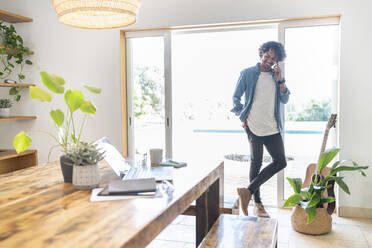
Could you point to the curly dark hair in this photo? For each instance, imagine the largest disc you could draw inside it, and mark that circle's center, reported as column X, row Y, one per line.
column 276, row 46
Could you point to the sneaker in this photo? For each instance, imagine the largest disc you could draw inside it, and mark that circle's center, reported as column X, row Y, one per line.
column 260, row 211
column 244, row 197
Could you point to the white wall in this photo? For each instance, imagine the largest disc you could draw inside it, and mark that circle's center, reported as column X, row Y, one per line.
column 79, row 56
column 93, row 56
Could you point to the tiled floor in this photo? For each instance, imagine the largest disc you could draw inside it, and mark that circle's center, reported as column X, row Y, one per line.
column 346, row 233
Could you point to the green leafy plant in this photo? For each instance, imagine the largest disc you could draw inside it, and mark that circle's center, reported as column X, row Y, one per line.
column 146, row 94
column 315, row 110
column 5, row 103
column 67, row 131
column 313, row 197
column 16, row 93
column 13, row 53
column 84, row 153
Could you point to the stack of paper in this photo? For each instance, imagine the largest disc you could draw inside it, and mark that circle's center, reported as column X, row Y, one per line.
column 97, row 198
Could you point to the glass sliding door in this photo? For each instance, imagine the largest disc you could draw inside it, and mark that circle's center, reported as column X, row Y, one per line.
column 311, row 72
column 146, row 108
column 180, row 85
column 205, row 68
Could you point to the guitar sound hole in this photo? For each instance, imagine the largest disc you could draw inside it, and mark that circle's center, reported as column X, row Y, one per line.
column 319, row 177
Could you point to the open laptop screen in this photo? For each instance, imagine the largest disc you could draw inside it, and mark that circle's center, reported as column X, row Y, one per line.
column 113, row 156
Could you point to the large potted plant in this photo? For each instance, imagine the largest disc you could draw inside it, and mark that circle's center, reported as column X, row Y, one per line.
column 309, row 214
column 85, row 157
column 68, row 133
column 5, row 105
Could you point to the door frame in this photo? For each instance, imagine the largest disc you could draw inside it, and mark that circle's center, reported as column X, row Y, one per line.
column 281, row 38
column 166, row 32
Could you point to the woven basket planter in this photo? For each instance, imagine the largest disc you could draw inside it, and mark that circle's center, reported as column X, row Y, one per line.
column 321, row 224
column 86, row 176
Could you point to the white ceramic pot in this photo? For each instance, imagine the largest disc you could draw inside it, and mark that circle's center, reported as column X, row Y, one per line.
column 86, row 176
column 321, row 224
column 4, row 112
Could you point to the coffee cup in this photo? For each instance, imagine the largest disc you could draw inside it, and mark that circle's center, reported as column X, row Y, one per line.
column 156, row 156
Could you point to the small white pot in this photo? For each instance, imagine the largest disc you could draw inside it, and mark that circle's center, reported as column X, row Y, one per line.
column 4, row 112
column 86, row 176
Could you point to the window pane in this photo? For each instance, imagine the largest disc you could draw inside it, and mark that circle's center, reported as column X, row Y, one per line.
column 148, row 93
column 311, row 71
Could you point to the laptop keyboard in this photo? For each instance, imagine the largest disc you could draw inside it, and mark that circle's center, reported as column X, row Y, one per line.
column 138, row 172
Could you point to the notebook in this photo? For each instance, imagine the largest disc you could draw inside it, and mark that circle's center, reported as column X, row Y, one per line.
column 143, row 186
column 123, row 169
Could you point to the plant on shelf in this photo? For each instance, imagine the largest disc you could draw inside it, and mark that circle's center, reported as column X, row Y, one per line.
column 16, row 93
column 5, row 105
column 66, row 126
column 313, row 198
column 13, row 53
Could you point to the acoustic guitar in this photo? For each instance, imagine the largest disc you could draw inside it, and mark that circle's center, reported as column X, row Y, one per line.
column 311, row 171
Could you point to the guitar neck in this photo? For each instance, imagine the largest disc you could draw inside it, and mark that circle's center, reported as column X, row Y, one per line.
column 324, row 143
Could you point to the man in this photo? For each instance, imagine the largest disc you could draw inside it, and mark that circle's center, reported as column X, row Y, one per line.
column 261, row 115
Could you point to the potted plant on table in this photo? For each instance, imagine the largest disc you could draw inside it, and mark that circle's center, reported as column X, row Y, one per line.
column 5, row 105
column 85, row 157
column 309, row 214
column 67, row 133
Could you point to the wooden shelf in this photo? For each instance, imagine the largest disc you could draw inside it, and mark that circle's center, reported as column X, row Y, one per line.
column 11, row 161
column 8, row 153
column 13, row 18
column 14, row 51
column 17, row 118
column 15, row 85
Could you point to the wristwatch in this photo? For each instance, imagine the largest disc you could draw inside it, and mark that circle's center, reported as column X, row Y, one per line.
column 282, row 81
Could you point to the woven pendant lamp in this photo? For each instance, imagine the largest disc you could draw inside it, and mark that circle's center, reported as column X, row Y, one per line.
column 97, row 14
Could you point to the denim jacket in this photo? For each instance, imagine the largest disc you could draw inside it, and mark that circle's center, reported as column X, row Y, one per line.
column 246, row 85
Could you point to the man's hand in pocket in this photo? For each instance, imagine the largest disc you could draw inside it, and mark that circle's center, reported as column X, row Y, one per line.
column 244, row 125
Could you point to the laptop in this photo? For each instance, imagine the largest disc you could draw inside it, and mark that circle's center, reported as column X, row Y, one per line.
column 123, row 168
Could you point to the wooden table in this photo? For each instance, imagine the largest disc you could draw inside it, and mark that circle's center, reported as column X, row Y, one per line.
column 38, row 210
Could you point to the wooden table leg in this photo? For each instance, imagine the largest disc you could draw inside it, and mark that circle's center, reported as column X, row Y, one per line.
column 207, row 211
column 213, row 199
column 201, row 218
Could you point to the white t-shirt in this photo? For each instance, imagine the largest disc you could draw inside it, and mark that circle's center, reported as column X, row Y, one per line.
column 261, row 119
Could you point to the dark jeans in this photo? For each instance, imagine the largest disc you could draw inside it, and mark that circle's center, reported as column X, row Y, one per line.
column 274, row 145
